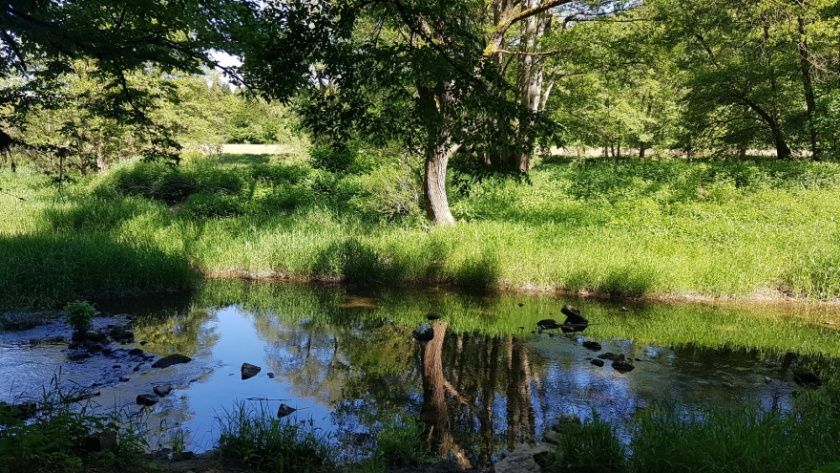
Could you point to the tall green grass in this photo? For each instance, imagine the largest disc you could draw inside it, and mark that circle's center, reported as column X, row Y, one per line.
column 709, row 440
column 658, row 227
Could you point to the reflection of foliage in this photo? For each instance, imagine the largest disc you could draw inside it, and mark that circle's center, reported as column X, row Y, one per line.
column 178, row 333
column 770, row 330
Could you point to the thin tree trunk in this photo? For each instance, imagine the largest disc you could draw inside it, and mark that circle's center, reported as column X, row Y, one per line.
column 808, row 86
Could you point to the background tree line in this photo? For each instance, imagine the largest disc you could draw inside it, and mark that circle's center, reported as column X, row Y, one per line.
column 486, row 84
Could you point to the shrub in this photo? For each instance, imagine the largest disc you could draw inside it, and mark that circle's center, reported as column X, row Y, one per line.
column 80, row 315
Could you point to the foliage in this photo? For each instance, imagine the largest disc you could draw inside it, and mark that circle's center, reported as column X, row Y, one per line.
column 59, row 440
column 585, row 448
column 261, row 442
column 80, row 315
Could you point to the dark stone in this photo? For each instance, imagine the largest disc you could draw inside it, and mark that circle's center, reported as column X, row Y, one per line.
column 95, row 336
column 162, row 390
column 573, row 316
column 423, row 333
column 249, row 371
column 610, row 356
column 597, row 362
column 542, row 460
column 116, row 366
column 590, row 345
column 120, row 334
column 270, row 375
column 623, row 366
column 147, row 399
column 108, row 351
column 285, row 410
column 143, row 342
column 101, row 441
column 135, row 352
column 807, row 378
column 548, row 324
column 78, row 354
column 17, row 412
column 433, row 316
column 170, row 360
column 93, row 347
column 124, row 379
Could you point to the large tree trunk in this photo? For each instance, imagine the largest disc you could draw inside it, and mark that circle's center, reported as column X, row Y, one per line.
column 434, row 184
column 435, row 104
column 808, row 86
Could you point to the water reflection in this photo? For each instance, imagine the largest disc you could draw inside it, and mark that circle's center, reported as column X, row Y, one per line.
column 484, row 383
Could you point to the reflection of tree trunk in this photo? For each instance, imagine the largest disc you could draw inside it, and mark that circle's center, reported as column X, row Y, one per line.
column 519, row 409
column 435, row 410
column 488, row 396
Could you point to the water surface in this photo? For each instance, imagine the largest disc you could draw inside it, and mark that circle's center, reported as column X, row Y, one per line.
column 485, row 383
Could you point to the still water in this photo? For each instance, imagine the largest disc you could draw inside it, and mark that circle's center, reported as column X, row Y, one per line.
column 487, row 382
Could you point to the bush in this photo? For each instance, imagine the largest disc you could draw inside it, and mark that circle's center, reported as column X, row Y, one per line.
column 65, row 439
column 79, row 315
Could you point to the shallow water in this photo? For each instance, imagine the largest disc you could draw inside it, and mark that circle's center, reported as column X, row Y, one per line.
column 487, row 382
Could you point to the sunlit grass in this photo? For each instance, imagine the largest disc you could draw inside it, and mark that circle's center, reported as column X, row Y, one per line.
column 654, row 228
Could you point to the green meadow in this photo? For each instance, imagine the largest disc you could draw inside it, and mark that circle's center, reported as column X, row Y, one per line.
column 758, row 229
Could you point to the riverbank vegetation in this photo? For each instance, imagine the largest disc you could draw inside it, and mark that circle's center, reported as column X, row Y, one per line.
column 760, row 228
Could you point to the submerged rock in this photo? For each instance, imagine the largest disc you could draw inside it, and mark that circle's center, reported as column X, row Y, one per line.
column 285, row 410
column 623, row 366
column 610, row 356
column 162, row 390
column 78, row 354
column 270, row 375
column 591, row 345
column 147, row 399
column 423, row 333
column 135, row 352
column 249, row 371
column 597, row 362
column 170, row 360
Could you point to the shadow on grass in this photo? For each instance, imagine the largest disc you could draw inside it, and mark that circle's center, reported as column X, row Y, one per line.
column 47, row 271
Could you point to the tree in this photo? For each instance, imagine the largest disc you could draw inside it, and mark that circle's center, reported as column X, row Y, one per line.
column 750, row 62
column 41, row 42
column 429, row 72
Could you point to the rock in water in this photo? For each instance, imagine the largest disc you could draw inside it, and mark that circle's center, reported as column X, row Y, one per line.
column 433, row 316
column 574, row 319
column 610, row 356
column 162, row 390
column 807, row 378
column 623, row 366
column 590, row 345
column 270, row 375
column 285, row 410
column 249, row 371
column 548, row 324
column 170, row 360
column 423, row 333
column 597, row 362
column 147, row 399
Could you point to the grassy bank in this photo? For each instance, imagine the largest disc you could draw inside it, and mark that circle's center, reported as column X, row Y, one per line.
column 655, row 228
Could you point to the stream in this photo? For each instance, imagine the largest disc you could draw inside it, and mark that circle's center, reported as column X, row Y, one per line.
column 488, row 381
